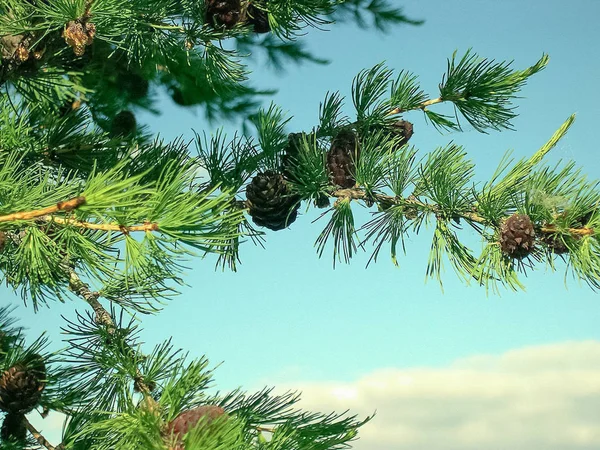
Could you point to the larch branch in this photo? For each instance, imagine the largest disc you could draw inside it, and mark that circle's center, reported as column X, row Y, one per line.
column 147, row 226
column 67, row 205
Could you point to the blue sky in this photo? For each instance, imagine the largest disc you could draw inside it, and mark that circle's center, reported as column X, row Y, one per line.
column 288, row 316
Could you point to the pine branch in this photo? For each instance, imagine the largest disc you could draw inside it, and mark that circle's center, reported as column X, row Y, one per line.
column 66, row 206
column 146, row 227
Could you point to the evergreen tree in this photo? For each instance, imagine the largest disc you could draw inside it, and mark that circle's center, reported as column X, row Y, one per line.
column 93, row 207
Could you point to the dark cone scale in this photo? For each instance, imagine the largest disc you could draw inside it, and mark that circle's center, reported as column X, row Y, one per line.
column 13, row 428
column 223, row 13
column 517, row 236
column 269, row 201
column 290, row 156
column 3, row 239
column 21, row 387
column 258, row 18
column 404, row 130
column 123, row 124
column 555, row 244
column 187, row 420
column 341, row 159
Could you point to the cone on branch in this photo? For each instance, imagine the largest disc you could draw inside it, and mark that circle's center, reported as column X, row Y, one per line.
column 258, row 18
column 13, row 428
column 290, row 155
column 21, row 386
column 517, row 236
column 342, row 157
column 556, row 244
column 187, row 420
column 78, row 34
column 123, row 124
column 270, row 202
column 404, row 130
column 223, row 13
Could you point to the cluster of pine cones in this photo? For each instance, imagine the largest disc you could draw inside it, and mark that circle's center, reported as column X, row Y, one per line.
column 270, row 202
column 21, row 389
column 228, row 13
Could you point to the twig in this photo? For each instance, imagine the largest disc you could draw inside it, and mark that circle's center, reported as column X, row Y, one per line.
column 422, row 106
column 37, row 435
column 584, row 231
column 359, row 194
column 147, row 226
column 67, row 205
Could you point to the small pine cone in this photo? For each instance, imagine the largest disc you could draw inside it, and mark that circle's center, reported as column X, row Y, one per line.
column 123, row 124
column 77, row 35
column 555, row 244
column 290, row 155
column 404, row 130
column 135, row 86
column 517, row 236
column 258, row 18
column 21, row 386
column 187, row 420
column 223, row 13
column 342, row 157
column 13, row 428
column 270, row 203
column 322, row 201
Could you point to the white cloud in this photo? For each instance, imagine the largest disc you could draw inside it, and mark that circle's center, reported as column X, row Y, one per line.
column 544, row 397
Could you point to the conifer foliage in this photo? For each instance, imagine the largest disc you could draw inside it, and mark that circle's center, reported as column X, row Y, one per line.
column 93, row 207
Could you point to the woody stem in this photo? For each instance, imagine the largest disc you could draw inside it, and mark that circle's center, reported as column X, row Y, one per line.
column 37, row 435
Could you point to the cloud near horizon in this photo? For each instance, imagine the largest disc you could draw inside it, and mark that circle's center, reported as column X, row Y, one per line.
column 534, row 398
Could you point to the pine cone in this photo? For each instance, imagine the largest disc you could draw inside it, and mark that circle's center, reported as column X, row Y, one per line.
column 517, row 236
column 258, row 18
column 21, row 386
column 270, row 203
column 123, row 124
column 3, row 239
column 134, row 85
column 290, row 155
column 13, row 428
column 342, row 157
column 78, row 34
column 555, row 243
column 404, row 130
column 187, row 420
column 223, row 13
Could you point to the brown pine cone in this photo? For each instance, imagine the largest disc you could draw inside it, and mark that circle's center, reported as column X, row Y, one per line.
column 223, row 13
column 270, row 203
column 21, row 386
column 517, row 236
column 342, row 157
column 13, row 428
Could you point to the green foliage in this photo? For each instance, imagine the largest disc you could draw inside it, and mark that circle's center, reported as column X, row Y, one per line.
column 91, row 205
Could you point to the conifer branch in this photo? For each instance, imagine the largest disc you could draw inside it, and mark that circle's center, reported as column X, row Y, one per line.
column 422, row 106
column 360, row 194
column 38, row 436
column 147, row 226
column 67, row 205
